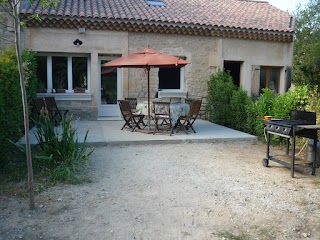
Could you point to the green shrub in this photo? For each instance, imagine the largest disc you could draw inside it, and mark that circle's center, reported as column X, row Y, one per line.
column 227, row 104
column 240, row 104
column 278, row 106
column 220, row 90
column 30, row 74
column 61, row 153
column 231, row 106
column 294, row 99
column 11, row 118
column 313, row 103
column 11, row 114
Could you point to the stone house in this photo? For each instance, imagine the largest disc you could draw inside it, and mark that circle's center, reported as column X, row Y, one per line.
column 252, row 39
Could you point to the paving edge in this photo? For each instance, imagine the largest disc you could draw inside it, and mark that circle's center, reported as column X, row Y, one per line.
column 173, row 141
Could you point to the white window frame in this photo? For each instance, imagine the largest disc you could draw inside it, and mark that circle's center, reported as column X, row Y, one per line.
column 181, row 89
column 164, row 93
column 69, row 74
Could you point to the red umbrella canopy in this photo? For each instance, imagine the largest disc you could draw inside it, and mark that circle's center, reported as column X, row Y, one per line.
column 147, row 58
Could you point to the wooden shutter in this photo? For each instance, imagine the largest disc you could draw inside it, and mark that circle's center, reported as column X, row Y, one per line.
column 255, row 80
column 288, row 72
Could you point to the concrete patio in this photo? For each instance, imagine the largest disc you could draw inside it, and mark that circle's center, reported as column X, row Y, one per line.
column 108, row 132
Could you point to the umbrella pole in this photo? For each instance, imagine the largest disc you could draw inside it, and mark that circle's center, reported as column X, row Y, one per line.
column 148, row 70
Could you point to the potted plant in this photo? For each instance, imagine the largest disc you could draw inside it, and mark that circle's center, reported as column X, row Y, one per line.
column 41, row 87
column 83, row 85
column 61, row 86
column 60, row 90
column 79, row 90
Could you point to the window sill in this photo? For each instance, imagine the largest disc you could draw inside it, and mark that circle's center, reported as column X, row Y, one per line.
column 172, row 93
column 68, row 96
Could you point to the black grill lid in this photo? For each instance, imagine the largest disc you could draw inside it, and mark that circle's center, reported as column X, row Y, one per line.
column 307, row 117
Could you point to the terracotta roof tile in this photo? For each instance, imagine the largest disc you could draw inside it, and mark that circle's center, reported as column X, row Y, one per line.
column 243, row 14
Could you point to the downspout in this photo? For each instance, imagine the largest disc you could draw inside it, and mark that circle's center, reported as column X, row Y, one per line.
column 128, row 85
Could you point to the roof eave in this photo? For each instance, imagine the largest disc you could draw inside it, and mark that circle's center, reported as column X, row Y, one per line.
column 163, row 27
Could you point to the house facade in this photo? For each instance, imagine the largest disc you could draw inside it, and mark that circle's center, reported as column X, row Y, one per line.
column 251, row 39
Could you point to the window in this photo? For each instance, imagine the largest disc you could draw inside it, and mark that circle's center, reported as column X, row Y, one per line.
column 63, row 73
column 169, row 78
column 60, row 72
column 42, row 73
column 155, row 2
column 79, row 72
column 234, row 68
column 270, row 78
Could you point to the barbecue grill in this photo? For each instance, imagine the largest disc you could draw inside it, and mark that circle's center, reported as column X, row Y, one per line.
column 301, row 123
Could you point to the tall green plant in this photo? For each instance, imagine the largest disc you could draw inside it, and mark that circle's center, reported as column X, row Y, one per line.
column 66, row 154
column 10, row 105
column 313, row 103
column 240, row 104
column 294, row 99
column 11, row 115
column 306, row 59
column 278, row 106
column 220, row 90
column 30, row 70
column 12, row 7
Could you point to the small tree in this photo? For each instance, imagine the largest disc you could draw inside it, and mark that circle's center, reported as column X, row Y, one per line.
column 306, row 59
column 12, row 7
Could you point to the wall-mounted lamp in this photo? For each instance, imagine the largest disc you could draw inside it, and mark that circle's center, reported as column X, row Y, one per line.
column 82, row 30
column 77, row 42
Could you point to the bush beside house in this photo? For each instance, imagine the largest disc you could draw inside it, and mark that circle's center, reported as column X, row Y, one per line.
column 59, row 157
column 11, row 115
column 232, row 107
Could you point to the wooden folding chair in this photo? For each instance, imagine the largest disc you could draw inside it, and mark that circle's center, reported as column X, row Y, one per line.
column 187, row 121
column 161, row 116
column 133, row 103
column 56, row 113
column 131, row 120
column 39, row 105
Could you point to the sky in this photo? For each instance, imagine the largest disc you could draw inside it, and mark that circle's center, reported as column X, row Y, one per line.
column 289, row 5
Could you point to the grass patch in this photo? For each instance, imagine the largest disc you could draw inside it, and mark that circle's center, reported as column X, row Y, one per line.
column 231, row 236
column 264, row 233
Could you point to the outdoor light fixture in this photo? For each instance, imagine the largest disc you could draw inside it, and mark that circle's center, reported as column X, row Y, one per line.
column 77, row 42
column 82, row 30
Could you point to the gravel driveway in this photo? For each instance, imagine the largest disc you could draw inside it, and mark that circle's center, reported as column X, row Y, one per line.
column 181, row 191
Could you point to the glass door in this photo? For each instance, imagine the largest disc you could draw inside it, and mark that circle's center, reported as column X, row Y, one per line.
column 110, row 89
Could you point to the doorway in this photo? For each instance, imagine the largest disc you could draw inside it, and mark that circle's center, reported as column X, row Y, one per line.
column 109, row 83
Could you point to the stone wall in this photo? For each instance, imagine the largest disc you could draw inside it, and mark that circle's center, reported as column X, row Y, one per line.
column 194, row 48
column 259, row 53
column 6, row 30
column 79, row 109
column 95, row 44
column 205, row 54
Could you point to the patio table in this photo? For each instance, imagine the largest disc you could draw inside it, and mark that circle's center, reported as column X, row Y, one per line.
column 176, row 110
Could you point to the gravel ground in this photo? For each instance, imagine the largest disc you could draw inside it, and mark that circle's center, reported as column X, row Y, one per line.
column 182, row 191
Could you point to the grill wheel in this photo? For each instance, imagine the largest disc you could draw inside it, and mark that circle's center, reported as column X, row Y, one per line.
column 265, row 162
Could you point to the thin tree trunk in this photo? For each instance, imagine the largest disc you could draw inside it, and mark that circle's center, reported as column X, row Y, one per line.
column 24, row 104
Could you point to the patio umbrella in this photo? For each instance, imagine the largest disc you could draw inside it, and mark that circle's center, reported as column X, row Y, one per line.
column 147, row 58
